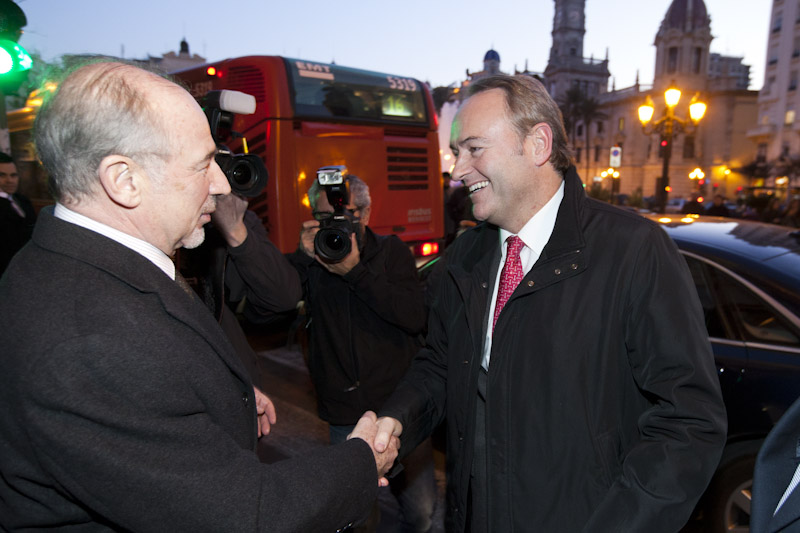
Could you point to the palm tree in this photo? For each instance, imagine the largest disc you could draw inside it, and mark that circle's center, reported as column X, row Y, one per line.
column 570, row 105
column 589, row 112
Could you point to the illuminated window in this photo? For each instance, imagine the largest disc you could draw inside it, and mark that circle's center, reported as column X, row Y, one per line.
column 621, row 124
column 788, row 118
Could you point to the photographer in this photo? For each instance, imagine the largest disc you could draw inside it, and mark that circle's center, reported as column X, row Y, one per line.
column 239, row 262
column 365, row 315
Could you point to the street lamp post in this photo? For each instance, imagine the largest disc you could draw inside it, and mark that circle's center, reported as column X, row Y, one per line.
column 614, row 175
column 667, row 126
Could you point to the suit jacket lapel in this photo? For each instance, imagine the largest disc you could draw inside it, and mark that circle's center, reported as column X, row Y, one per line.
column 135, row 270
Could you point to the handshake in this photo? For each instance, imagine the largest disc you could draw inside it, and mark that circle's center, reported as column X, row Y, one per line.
column 382, row 435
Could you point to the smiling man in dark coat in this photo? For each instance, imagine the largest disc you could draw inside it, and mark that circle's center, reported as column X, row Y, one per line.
column 566, row 345
column 125, row 407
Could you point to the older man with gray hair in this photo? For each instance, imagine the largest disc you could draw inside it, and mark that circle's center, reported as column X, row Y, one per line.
column 125, row 406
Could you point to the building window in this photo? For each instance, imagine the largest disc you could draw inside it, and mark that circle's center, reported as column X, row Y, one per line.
column 768, row 86
column 573, row 51
column 697, row 55
column 578, row 154
column 788, row 118
column 776, row 26
column 672, row 59
column 649, row 150
column 773, row 55
column 785, row 151
column 796, row 48
column 793, row 81
column 600, row 127
column 688, row 147
column 596, row 153
column 621, row 124
column 579, row 130
column 761, row 153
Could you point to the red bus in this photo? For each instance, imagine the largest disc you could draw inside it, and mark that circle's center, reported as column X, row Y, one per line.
column 309, row 115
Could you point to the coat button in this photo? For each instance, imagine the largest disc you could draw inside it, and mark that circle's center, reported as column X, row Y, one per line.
column 557, row 271
column 574, row 266
column 484, row 285
column 530, row 284
column 245, row 399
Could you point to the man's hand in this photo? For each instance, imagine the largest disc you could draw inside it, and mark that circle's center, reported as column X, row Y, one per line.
column 307, row 234
column 345, row 265
column 229, row 218
column 266, row 412
column 367, row 429
column 388, row 428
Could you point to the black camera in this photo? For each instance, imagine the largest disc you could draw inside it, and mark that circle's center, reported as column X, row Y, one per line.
column 332, row 242
column 246, row 173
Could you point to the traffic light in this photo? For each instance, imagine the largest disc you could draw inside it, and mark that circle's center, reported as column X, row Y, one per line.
column 15, row 62
column 663, row 147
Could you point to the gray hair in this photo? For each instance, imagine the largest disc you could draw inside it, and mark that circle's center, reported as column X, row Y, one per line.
column 100, row 109
column 359, row 193
column 529, row 103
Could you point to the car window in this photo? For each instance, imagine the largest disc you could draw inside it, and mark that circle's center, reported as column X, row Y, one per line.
column 759, row 321
column 733, row 311
column 718, row 323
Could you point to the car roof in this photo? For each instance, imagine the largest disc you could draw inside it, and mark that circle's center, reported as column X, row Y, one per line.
column 765, row 253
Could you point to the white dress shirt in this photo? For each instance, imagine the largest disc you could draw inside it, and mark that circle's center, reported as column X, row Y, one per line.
column 792, row 485
column 534, row 234
column 143, row 248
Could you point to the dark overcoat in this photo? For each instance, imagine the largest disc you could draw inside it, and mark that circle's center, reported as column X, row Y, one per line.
column 604, row 410
column 126, row 408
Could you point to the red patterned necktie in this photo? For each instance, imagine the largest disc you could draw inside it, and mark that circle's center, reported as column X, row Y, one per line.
column 510, row 276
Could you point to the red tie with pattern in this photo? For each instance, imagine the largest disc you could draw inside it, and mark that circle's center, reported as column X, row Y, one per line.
column 510, row 276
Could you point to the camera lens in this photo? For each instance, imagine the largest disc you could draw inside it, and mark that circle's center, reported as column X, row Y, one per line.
column 332, row 244
column 334, row 241
column 242, row 174
column 246, row 173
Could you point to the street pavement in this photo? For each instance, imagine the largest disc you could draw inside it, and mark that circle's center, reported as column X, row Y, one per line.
column 299, row 431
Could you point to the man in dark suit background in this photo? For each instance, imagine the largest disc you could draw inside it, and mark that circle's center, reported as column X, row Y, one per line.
column 125, row 406
column 776, row 497
column 17, row 216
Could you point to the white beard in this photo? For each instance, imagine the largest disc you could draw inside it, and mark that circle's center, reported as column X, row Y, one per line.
column 194, row 239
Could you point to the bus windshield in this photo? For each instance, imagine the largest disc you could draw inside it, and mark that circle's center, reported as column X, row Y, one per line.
column 323, row 91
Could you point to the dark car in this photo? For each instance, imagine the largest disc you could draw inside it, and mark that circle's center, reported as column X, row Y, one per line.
column 747, row 276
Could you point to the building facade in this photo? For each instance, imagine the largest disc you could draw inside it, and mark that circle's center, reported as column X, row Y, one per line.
column 718, row 146
column 776, row 131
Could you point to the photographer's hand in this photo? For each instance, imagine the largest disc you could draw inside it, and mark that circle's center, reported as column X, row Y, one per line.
column 229, row 218
column 345, row 265
column 307, row 234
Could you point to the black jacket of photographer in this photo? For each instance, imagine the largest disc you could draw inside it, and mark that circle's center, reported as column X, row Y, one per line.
column 254, row 271
column 364, row 327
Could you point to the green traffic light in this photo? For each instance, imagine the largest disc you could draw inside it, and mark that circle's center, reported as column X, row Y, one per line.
column 13, row 58
column 6, row 62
